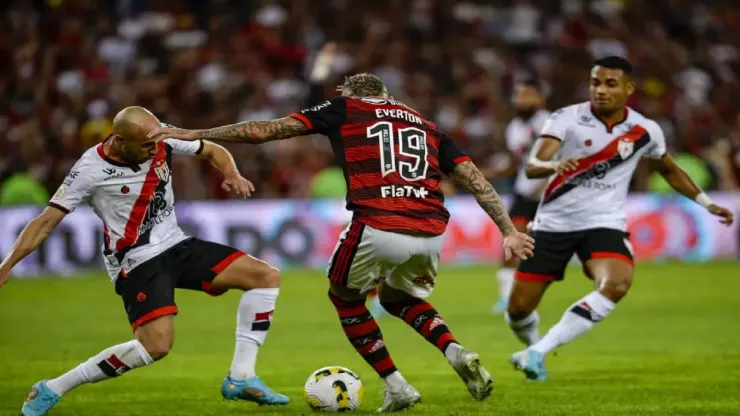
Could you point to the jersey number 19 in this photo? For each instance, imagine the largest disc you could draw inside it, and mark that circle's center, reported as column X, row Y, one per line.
column 412, row 143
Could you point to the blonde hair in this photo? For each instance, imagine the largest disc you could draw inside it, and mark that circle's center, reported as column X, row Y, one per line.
column 362, row 85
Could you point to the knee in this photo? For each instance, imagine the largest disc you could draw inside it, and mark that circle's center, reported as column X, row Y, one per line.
column 520, row 307
column 615, row 288
column 157, row 345
column 271, row 277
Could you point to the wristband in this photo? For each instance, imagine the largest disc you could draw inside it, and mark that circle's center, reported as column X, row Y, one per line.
column 704, row 200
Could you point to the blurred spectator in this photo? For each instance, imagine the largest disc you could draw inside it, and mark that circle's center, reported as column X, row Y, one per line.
column 198, row 64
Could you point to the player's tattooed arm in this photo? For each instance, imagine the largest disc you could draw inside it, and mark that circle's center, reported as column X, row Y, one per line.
column 467, row 175
column 256, row 131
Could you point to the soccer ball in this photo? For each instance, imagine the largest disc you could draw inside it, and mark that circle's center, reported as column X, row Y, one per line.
column 333, row 389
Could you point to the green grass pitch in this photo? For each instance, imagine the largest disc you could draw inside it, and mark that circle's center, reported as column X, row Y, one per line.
column 670, row 348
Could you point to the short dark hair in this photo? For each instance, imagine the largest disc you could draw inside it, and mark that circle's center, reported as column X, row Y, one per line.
column 615, row 62
column 363, row 85
column 530, row 82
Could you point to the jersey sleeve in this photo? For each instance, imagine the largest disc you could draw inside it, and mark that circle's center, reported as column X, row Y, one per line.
column 325, row 117
column 75, row 189
column 556, row 125
column 183, row 147
column 657, row 147
column 450, row 155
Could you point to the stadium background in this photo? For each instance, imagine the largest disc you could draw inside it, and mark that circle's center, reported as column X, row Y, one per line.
column 70, row 65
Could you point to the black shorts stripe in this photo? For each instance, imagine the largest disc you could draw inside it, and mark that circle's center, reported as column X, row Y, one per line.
column 345, row 254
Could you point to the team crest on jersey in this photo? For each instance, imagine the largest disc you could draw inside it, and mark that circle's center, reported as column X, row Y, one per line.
column 625, row 148
column 162, row 170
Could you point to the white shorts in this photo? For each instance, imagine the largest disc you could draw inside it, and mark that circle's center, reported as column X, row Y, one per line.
column 366, row 257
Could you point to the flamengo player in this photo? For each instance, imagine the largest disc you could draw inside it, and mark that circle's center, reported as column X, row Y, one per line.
column 393, row 159
column 126, row 181
column 521, row 133
column 582, row 209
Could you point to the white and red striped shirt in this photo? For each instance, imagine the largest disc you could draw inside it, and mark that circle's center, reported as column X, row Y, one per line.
column 135, row 202
column 594, row 195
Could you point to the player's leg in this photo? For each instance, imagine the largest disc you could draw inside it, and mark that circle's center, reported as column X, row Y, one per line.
column 608, row 260
column 534, row 275
column 403, row 294
column 355, row 269
column 148, row 298
column 521, row 213
column 216, row 268
column 521, row 313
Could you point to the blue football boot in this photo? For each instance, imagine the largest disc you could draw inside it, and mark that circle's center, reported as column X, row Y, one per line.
column 532, row 363
column 253, row 390
column 40, row 400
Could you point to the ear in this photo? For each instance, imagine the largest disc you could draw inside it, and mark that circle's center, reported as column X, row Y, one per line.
column 630, row 87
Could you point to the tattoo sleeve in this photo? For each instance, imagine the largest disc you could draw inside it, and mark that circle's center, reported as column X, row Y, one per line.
column 468, row 176
column 256, row 131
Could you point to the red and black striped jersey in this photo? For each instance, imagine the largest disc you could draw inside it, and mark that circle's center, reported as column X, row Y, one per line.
column 393, row 159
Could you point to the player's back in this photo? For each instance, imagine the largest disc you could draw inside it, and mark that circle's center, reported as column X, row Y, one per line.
column 393, row 159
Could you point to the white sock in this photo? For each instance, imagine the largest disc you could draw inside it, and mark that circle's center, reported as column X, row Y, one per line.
column 505, row 278
column 252, row 322
column 110, row 363
column 395, row 381
column 451, row 351
column 526, row 329
column 579, row 318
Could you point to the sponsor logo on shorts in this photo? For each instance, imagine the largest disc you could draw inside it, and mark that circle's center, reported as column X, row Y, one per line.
column 403, row 191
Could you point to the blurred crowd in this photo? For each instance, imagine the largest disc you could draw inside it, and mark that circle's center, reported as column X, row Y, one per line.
column 72, row 64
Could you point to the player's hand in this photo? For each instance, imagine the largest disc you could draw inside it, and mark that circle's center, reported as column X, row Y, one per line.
column 518, row 244
column 725, row 215
column 4, row 276
column 567, row 165
column 162, row 133
column 238, row 184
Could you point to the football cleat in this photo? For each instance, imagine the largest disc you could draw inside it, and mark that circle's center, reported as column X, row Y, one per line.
column 402, row 399
column 531, row 362
column 253, row 390
column 476, row 378
column 40, row 400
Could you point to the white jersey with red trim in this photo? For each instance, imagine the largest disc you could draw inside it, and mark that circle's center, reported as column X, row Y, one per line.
column 520, row 136
column 594, row 195
column 135, row 202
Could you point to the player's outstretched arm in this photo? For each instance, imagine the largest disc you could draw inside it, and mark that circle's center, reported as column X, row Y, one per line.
column 679, row 180
column 30, row 239
column 222, row 160
column 254, row 132
column 467, row 175
column 541, row 165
